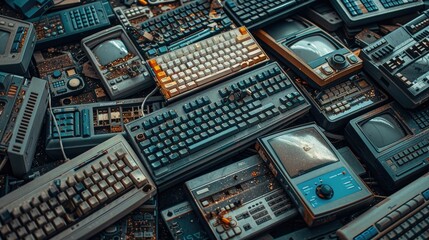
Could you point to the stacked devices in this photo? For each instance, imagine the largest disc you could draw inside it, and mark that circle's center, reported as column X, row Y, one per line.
column 399, row 62
column 393, row 142
column 311, row 52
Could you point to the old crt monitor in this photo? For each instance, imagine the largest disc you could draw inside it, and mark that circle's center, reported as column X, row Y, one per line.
column 318, row 179
column 399, row 62
column 17, row 42
column 314, row 54
column 393, row 142
column 117, row 62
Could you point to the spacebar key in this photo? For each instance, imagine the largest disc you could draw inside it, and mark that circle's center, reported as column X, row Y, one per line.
column 281, row 7
column 215, row 138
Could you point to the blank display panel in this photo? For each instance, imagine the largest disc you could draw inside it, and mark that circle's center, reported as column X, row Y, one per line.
column 302, row 151
column 4, row 37
column 383, row 130
column 311, row 48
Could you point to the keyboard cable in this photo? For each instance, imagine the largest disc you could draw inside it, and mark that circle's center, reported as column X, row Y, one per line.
column 56, row 126
column 145, row 99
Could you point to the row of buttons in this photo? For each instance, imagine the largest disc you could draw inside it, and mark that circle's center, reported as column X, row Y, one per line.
column 409, row 154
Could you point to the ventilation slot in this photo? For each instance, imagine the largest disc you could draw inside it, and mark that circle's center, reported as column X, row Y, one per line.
column 25, row 121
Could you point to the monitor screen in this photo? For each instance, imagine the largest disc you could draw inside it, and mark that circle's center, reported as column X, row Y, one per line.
column 4, row 37
column 302, row 151
column 313, row 47
column 383, row 130
column 284, row 28
column 109, row 51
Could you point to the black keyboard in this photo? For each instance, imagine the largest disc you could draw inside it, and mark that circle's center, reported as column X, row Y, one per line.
column 178, row 28
column 255, row 14
column 360, row 12
column 404, row 215
column 201, row 130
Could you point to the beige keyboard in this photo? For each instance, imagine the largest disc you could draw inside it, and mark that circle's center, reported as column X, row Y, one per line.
column 80, row 197
column 188, row 69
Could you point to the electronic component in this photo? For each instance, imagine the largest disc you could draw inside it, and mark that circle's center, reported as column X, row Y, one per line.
column 311, row 52
column 241, row 200
column 117, row 62
column 80, row 197
column 194, row 67
column 333, row 107
column 17, row 41
column 255, row 14
column 72, row 23
column 62, row 74
column 133, row 16
column 325, row 16
column 399, row 62
column 183, row 223
column 403, row 215
column 87, row 125
column 22, row 144
column 361, row 12
column 178, row 28
column 208, row 127
column 323, row 232
column 22, row 104
column 318, row 179
column 139, row 224
column 30, row 8
column 393, row 142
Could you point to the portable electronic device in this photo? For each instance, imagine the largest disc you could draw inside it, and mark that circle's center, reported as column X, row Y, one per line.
column 23, row 103
column 133, row 16
column 84, row 126
column 255, row 14
column 325, row 16
column 17, row 42
column 178, row 28
column 63, row 75
column 399, row 62
column 361, row 12
column 30, row 8
column 72, row 23
column 393, row 142
column 197, row 66
column 403, row 215
column 203, row 129
column 333, row 107
column 241, row 200
column 311, row 52
column 183, row 223
column 315, row 175
column 80, row 197
column 119, row 65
